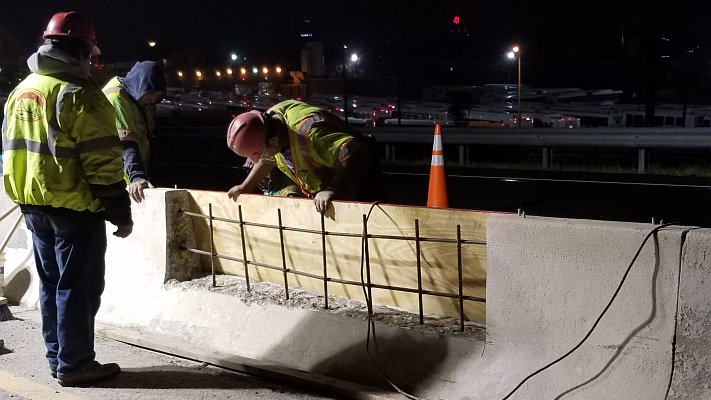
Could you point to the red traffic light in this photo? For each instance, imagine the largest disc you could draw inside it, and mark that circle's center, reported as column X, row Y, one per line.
column 456, row 20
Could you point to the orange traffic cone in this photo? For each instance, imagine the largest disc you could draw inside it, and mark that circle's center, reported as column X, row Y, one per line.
column 437, row 194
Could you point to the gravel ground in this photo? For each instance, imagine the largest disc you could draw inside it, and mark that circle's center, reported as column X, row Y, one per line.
column 269, row 293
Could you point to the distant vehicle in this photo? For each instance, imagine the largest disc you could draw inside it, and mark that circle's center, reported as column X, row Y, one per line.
column 565, row 122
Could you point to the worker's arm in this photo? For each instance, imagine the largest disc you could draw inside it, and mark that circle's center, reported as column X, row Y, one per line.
column 350, row 160
column 258, row 172
column 344, row 184
column 91, row 121
column 135, row 169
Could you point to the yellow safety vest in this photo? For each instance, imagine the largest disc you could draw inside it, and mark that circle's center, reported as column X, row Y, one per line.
column 58, row 138
column 132, row 123
column 315, row 142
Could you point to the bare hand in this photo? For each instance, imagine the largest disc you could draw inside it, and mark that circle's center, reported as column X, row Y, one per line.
column 135, row 189
column 235, row 192
column 124, row 230
column 323, row 200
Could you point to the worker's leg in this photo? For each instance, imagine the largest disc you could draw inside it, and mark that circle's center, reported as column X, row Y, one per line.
column 48, row 272
column 80, row 246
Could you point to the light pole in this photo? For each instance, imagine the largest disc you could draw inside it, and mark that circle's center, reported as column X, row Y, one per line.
column 516, row 53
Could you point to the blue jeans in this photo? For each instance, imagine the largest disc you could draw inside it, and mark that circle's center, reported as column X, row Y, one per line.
column 69, row 254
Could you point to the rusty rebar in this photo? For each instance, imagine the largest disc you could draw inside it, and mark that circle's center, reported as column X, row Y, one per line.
column 325, row 265
column 212, row 247
column 283, row 255
column 244, row 247
column 461, row 285
column 419, row 270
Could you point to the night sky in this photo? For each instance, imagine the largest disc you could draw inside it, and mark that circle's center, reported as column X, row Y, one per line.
column 560, row 40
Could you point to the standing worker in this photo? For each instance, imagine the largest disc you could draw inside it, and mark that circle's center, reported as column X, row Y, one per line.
column 63, row 167
column 134, row 98
column 313, row 147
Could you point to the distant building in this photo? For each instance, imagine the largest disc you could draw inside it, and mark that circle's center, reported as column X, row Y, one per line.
column 312, row 56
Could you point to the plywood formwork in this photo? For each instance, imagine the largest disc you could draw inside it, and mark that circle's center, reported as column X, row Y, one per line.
column 392, row 262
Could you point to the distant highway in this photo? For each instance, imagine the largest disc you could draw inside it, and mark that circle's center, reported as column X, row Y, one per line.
column 614, row 197
column 194, row 155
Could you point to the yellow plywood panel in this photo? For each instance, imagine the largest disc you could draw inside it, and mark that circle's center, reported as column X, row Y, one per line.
column 392, row 262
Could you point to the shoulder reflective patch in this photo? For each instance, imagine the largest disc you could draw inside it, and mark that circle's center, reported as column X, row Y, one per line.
column 305, row 124
column 110, row 90
column 30, row 105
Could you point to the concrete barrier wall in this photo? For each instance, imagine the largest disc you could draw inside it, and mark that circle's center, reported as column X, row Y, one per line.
column 21, row 283
column 692, row 367
column 548, row 280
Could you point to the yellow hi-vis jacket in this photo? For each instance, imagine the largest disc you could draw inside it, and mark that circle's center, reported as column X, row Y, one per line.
column 59, row 138
column 317, row 143
column 134, row 122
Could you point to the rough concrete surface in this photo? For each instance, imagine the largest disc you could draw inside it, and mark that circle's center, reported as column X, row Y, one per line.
column 549, row 280
column 692, row 374
column 262, row 293
column 146, row 374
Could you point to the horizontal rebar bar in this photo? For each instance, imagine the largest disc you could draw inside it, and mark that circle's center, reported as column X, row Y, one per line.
column 339, row 234
column 342, row 281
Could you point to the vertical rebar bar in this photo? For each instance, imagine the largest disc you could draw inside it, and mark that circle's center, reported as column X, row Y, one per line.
column 325, row 269
column 283, row 255
column 244, row 248
column 212, row 247
column 367, row 264
column 459, row 269
column 419, row 268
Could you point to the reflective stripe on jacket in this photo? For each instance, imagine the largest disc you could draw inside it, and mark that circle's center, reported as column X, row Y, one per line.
column 316, row 140
column 57, row 140
column 133, row 122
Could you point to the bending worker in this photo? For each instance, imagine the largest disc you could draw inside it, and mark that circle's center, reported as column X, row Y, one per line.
column 312, row 147
column 134, row 98
column 63, row 167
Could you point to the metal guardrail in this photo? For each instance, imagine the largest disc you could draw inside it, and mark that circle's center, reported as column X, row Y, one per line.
column 550, row 137
column 680, row 138
column 643, row 140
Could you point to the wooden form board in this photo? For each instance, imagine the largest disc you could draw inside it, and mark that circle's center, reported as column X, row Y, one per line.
column 392, row 262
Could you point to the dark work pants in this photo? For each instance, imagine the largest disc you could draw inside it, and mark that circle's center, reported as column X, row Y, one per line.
column 69, row 254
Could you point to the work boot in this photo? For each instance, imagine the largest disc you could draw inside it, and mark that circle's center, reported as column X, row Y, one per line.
column 91, row 373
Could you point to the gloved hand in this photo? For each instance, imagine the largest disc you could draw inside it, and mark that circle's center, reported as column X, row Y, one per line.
column 124, row 230
column 135, row 189
column 235, row 192
column 323, row 199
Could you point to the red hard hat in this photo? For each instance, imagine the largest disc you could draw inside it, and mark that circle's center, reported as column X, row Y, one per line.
column 246, row 136
column 74, row 25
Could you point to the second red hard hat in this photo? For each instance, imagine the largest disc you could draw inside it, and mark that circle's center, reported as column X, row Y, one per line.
column 246, row 135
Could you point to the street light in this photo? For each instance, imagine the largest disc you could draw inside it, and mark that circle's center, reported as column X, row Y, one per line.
column 516, row 53
column 152, row 43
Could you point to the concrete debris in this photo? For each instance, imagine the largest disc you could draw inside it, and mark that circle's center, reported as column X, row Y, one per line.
column 263, row 293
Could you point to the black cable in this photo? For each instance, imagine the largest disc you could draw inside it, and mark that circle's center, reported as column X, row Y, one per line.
column 369, row 304
column 676, row 315
column 604, row 311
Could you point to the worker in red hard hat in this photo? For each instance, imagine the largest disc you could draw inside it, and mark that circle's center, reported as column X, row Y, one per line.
column 63, row 167
column 75, row 26
column 314, row 148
